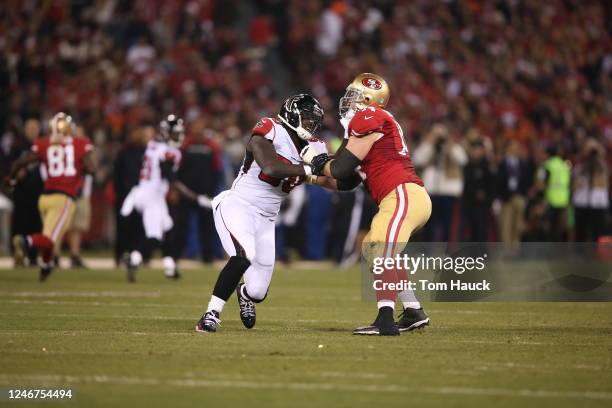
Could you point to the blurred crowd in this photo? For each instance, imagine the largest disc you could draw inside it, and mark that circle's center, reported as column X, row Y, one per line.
column 506, row 105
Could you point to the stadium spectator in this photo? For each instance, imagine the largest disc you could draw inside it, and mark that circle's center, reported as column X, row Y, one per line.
column 591, row 180
column 514, row 179
column 441, row 159
column 25, row 218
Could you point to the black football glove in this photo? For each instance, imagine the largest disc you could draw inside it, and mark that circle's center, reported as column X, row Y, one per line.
column 318, row 163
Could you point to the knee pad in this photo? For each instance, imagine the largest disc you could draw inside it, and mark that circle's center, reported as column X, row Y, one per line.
column 257, row 294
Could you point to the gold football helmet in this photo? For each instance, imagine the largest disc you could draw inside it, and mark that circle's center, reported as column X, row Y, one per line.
column 365, row 90
column 61, row 125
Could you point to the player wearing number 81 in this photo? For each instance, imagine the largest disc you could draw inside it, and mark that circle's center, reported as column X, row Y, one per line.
column 65, row 158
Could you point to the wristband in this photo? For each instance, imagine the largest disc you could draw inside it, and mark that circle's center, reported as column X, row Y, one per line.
column 312, row 179
column 308, row 169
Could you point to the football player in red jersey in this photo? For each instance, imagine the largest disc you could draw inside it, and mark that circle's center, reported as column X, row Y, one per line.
column 65, row 158
column 376, row 149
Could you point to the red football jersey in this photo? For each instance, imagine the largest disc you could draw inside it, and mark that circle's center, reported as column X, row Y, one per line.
column 63, row 163
column 388, row 163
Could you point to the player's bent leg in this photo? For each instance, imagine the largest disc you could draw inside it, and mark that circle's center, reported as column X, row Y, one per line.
column 56, row 212
column 378, row 244
column 419, row 210
column 259, row 275
column 228, row 280
column 233, row 222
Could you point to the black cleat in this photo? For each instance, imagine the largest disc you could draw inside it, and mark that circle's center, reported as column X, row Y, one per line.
column 209, row 322
column 382, row 326
column 247, row 309
column 412, row 319
column 76, row 262
column 21, row 248
column 131, row 269
column 45, row 271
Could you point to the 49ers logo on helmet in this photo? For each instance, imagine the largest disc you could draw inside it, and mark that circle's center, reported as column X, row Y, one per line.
column 371, row 83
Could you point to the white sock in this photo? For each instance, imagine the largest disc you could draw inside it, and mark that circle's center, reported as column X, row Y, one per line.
column 383, row 303
column 169, row 264
column 215, row 304
column 408, row 299
column 135, row 258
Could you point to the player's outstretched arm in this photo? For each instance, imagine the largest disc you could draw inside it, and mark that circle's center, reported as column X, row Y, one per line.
column 21, row 162
column 336, row 185
column 342, row 166
column 266, row 158
column 202, row 200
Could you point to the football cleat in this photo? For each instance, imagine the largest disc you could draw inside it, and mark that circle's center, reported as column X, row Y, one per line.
column 412, row 319
column 20, row 245
column 382, row 326
column 76, row 262
column 130, row 269
column 45, row 271
column 172, row 274
column 209, row 322
column 247, row 309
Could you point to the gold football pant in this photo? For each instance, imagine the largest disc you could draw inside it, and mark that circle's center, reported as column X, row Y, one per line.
column 401, row 213
column 56, row 212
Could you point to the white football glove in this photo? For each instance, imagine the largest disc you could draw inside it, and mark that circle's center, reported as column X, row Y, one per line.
column 310, row 151
column 204, row 201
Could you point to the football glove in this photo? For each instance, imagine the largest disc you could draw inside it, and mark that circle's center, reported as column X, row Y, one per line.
column 319, row 161
column 204, row 201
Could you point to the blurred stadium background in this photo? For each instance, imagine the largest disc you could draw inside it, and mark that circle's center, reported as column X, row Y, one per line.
column 498, row 88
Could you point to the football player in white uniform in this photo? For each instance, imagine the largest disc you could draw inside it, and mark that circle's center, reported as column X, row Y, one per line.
column 160, row 163
column 245, row 214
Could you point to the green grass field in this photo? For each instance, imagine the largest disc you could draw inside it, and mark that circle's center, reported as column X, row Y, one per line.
column 133, row 345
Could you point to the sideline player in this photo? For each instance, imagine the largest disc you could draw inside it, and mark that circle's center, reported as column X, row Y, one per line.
column 245, row 215
column 66, row 158
column 375, row 146
column 161, row 161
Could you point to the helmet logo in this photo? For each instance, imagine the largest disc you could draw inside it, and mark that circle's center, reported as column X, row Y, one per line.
column 372, row 83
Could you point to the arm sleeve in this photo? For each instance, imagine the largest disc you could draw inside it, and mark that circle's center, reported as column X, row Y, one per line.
column 350, row 183
column 344, row 164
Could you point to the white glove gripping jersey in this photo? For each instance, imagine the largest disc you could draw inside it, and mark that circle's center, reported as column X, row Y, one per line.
column 265, row 192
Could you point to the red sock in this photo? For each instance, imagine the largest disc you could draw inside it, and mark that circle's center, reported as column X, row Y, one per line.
column 44, row 245
column 388, row 276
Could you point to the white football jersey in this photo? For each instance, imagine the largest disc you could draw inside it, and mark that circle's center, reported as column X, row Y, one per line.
column 150, row 173
column 265, row 192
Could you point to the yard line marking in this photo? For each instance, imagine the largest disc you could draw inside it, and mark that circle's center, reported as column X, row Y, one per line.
column 305, row 386
column 94, row 294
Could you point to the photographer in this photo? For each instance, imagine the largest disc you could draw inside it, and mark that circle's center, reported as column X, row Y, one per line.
column 590, row 181
column 441, row 160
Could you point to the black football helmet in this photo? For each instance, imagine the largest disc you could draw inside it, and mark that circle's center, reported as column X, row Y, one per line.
column 303, row 114
column 172, row 130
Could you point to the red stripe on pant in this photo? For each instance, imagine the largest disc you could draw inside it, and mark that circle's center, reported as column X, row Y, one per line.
column 393, row 276
column 60, row 221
